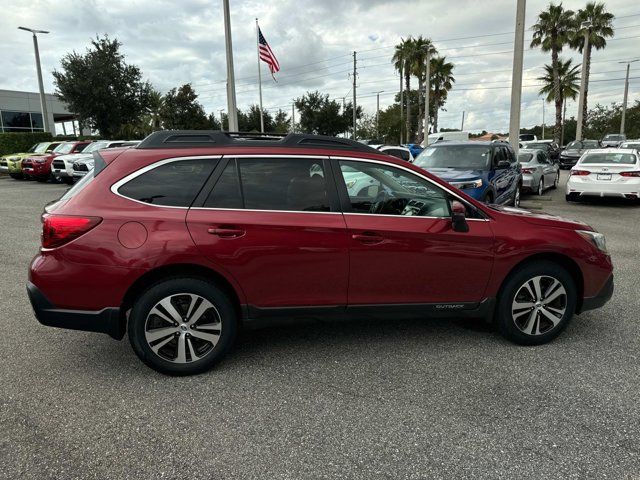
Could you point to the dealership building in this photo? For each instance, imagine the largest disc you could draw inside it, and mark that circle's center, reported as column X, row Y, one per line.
column 21, row 112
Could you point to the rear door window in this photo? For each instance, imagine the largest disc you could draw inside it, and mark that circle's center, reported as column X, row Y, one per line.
column 173, row 184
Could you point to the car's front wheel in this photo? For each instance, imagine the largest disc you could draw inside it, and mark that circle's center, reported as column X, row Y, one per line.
column 182, row 326
column 556, row 181
column 541, row 186
column 516, row 197
column 536, row 303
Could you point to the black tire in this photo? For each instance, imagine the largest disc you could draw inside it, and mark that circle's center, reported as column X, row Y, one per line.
column 16, row 176
column 142, row 307
column 556, row 182
column 515, row 201
column 540, row 190
column 68, row 181
column 42, row 179
column 505, row 322
column 571, row 197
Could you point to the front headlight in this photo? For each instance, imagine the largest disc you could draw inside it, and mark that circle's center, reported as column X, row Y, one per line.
column 468, row 184
column 594, row 238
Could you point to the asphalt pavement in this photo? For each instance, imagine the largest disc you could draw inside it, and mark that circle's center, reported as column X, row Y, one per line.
column 365, row 399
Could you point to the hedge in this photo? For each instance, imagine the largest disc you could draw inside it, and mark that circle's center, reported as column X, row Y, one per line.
column 21, row 142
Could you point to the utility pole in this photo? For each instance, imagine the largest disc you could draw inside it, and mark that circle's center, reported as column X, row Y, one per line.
column 564, row 116
column 427, row 86
column 378, row 113
column 232, row 110
column 43, row 100
column 401, row 102
column 516, row 76
column 583, row 79
column 355, row 70
column 462, row 124
column 626, row 94
column 221, row 121
column 344, row 110
column 543, row 119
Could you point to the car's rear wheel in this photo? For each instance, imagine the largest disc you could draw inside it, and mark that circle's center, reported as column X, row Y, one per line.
column 556, row 181
column 536, row 303
column 182, row 326
column 541, row 186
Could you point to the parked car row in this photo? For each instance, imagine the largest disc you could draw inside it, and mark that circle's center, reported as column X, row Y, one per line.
column 59, row 161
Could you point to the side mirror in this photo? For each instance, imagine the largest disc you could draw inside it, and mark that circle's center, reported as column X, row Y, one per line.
column 458, row 217
column 503, row 164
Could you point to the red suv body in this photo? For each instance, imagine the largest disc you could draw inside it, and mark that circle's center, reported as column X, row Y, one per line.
column 183, row 237
column 39, row 166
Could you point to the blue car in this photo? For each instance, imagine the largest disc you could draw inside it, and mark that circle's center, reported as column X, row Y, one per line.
column 487, row 171
column 414, row 148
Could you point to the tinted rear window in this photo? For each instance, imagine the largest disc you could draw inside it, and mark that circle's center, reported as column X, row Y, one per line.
column 613, row 158
column 173, row 184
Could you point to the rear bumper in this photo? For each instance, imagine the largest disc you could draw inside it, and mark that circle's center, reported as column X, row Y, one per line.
column 603, row 296
column 106, row 320
column 630, row 188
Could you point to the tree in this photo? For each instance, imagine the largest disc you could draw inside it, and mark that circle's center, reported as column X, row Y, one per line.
column 404, row 59
column 251, row 120
column 181, row 111
column 154, row 107
column 601, row 28
column 551, row 33
column 281, row 123
column 441, row 82
column 418, row 69
column 101, row 88
column 569, row 81
column 322, row 116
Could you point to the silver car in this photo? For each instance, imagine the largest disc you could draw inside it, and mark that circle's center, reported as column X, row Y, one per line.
column 539, row 172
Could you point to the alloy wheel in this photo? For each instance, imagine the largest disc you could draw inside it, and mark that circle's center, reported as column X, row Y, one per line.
column 539, row 305
column 541, row 186
column 556, row 181
column 516, row 197
column 183, row 328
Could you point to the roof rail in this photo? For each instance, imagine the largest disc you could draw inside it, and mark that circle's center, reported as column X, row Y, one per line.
column 216, row 138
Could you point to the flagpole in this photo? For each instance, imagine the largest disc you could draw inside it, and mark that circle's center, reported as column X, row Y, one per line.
column 259, row 75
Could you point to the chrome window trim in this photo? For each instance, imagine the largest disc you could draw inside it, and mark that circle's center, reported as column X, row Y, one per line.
column 355, row 159
column 266, row 211
column 271, row 155
column 137, row 173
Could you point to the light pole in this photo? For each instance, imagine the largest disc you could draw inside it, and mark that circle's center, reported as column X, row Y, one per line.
column 516, row 76
column 43, row 101
column 427, row 87
column 583, row 79
column 378, row 113
column 232, row 114
column 543, row 119
column 221, row 122
column 626, row 94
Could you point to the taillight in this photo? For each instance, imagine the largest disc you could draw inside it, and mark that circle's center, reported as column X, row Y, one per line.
column 528, row 170
column 60, row 229
column 630, row 174
column 580, row 173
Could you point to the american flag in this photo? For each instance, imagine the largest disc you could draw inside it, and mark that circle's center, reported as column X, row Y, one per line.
column 266, row 55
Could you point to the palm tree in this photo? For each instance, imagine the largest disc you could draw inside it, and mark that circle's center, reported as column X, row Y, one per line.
column 403, row 59
column 569, row 81
column 155, row 105
column 442, row 81
column 418, row 69
column 601, row 28
column 551, row 32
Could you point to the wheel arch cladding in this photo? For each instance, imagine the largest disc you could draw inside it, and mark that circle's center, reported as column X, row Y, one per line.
column 166, row 272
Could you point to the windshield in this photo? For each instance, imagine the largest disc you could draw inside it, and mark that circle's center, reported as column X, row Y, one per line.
column 612, row 158
column 576, row 145
column 95, row 146
column 525, row 157
column 614, row 137
column 64, row 148
column 527, row 137
column 474, row 157
column 39, row 147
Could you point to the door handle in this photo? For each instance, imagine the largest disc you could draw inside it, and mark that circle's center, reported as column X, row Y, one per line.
column 368, row 238
column 226, row 232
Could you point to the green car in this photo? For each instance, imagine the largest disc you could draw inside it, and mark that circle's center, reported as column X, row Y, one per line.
column 12, row 163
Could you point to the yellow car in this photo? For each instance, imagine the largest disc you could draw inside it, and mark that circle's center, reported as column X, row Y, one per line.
column 12, row 163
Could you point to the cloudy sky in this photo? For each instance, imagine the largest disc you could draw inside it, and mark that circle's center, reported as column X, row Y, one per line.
column 175, row 42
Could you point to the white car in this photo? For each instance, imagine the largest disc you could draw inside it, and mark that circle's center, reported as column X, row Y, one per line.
column 611, row 172
column 403, row 153
column 62, row 166
column 634, row 144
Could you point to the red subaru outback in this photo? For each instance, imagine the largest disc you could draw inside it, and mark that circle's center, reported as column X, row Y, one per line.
column 179, row 240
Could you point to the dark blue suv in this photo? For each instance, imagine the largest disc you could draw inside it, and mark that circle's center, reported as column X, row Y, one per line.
column 487, row 171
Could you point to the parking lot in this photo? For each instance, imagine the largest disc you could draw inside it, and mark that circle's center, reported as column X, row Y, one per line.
column 361, row 399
